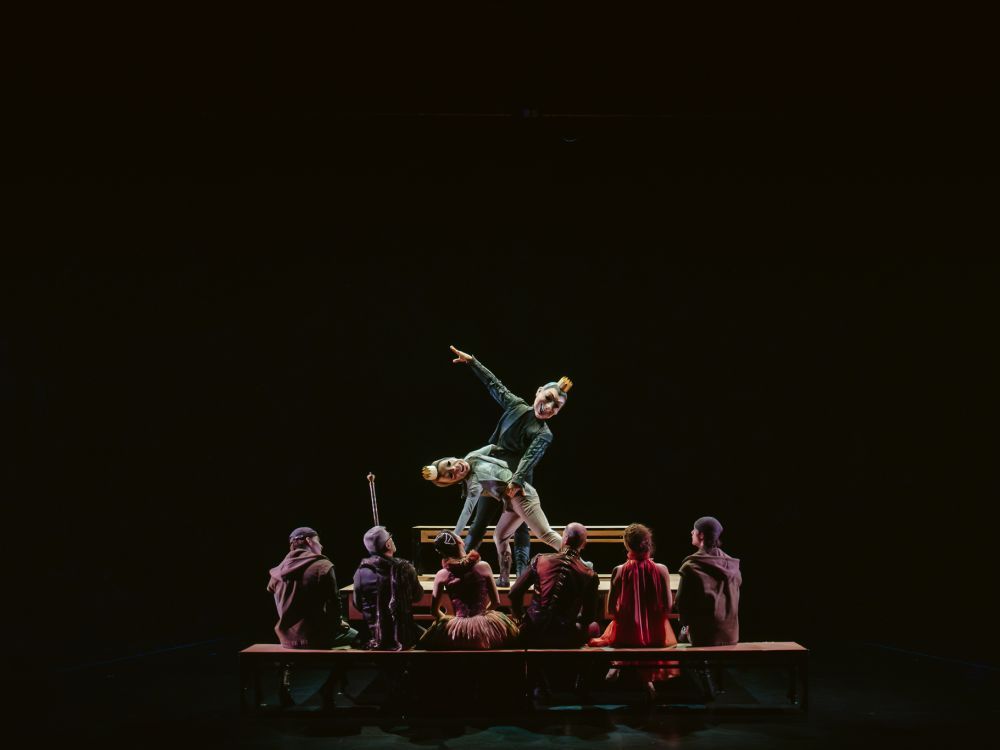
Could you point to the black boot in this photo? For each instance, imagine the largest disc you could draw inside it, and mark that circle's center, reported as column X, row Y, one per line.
column 505, row 562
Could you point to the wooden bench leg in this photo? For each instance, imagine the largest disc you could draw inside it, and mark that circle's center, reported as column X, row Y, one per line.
column 250, row 687
column 798, row 683
column 244, row 686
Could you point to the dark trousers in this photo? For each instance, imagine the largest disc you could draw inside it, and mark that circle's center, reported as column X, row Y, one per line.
column 488, row 512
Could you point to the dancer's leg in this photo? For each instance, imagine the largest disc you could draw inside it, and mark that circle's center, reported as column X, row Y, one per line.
column 509, row 520
column 486, row 511
column 529, row 507
column 522, row 548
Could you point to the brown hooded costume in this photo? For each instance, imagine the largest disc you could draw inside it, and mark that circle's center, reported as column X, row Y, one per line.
column 305, row 593
column 708, row 597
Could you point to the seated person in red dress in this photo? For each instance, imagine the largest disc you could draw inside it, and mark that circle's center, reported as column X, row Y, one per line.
column 639, row 602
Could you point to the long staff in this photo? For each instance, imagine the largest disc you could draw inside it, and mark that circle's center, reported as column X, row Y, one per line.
column 371, row 488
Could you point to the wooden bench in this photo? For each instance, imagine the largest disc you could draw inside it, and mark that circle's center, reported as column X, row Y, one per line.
column 786, row 655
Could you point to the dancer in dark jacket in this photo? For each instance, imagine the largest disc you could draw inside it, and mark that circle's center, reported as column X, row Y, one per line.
column 520, row 440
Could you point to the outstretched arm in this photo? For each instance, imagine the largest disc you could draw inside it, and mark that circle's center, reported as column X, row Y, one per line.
column 497, row 390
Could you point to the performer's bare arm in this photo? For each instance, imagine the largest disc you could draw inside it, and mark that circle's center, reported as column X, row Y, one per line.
column 616, row 585
column 666, row 580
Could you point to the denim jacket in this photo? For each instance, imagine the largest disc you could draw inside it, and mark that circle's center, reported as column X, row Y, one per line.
column 487, row 476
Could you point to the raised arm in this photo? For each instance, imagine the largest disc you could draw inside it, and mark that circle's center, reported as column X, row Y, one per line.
column 497, row 390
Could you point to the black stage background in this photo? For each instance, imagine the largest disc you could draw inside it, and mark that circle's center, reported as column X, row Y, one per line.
column 749, row 249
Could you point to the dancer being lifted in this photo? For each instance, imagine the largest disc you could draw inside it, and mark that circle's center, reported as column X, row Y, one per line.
column 484, row 476
column 520, row 439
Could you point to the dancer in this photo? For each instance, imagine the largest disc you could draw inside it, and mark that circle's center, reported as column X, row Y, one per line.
column 483, row 475
column 520, row 439
column 477, row 623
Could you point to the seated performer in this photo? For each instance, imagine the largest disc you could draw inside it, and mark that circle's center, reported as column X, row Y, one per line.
column 385, row 588
column 308, row 602
column 564, row 605
column 708, row 595
column 468, row 580
column 639, row 602
column 520, row 439
column 484, row 475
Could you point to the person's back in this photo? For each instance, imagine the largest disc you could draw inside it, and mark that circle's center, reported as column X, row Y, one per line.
column 306, row 596
column 564, row 603
column 640, row 599
column 708, row 597
column 385, row 588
